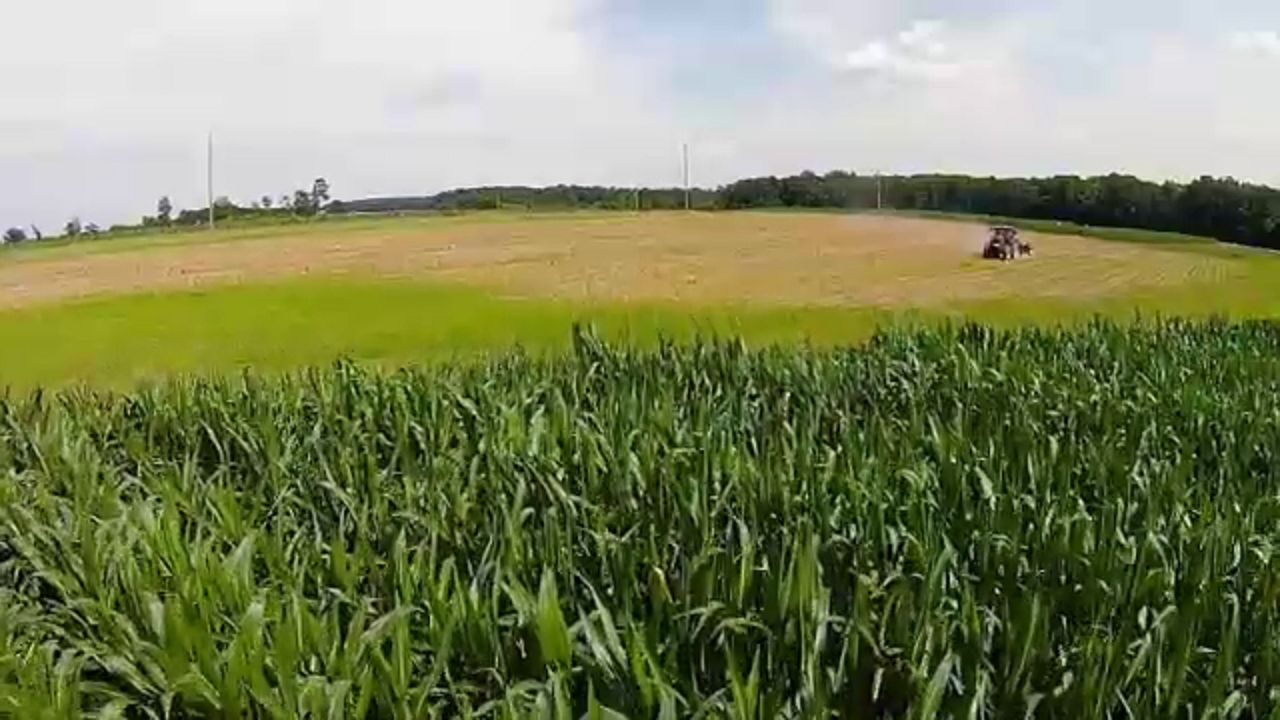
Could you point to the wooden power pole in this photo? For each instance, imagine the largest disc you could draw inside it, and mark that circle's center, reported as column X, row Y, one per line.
column 209, row 186
column 688, row 197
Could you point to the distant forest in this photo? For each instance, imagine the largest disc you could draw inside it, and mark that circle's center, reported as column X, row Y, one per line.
column 543, row 198
column 1221, row 208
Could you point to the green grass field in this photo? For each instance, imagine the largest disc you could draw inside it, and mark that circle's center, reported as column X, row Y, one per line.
column 1056, row 227
column 119, row 340
column 240, row 230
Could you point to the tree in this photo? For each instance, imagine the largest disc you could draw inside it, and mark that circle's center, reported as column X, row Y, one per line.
column 92, row 229
column 319, row 194
column 35, row 232
column 266, row 202
column 164, row 210
column 14, row 235
column 286, row 202
column 73, row 227
column 302, row 202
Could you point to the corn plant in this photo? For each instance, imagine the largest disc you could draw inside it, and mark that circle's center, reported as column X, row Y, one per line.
column 953, row 522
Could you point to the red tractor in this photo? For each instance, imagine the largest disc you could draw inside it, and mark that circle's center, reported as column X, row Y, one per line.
column 1005, row 244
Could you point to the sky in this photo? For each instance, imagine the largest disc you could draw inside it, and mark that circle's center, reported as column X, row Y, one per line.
column 106, row 106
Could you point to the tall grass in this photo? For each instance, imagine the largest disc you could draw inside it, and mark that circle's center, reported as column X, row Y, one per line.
column 944, row 523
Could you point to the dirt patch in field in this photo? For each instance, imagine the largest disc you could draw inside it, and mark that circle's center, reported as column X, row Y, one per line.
column 726, row 257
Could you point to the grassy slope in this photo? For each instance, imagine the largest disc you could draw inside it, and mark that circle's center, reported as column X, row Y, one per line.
column 120, row 340
column 275, row 326
column 235, row 231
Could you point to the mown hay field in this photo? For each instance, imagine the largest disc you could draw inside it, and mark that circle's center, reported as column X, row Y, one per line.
column 397, row 291
column 941, row 523
column 705, row 258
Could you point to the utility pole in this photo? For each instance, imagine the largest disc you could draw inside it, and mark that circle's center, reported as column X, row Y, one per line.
column 210, row 180
column 688, row 198
column 879, row 191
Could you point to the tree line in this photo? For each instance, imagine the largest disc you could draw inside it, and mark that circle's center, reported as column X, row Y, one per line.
column 1222, row 208
column 299, row 203
column 538, row 198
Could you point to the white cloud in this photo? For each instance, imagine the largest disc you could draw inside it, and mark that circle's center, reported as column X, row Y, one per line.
column 874, row 55
column 923, row 36
column 864, row 39
column 827, row 29
column 918, row 53
column 1266, row 42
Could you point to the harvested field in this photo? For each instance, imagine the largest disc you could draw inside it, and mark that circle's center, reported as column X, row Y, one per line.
column 794, row 259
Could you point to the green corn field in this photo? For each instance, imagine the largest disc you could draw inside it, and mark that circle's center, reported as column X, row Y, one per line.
column 951, row 522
